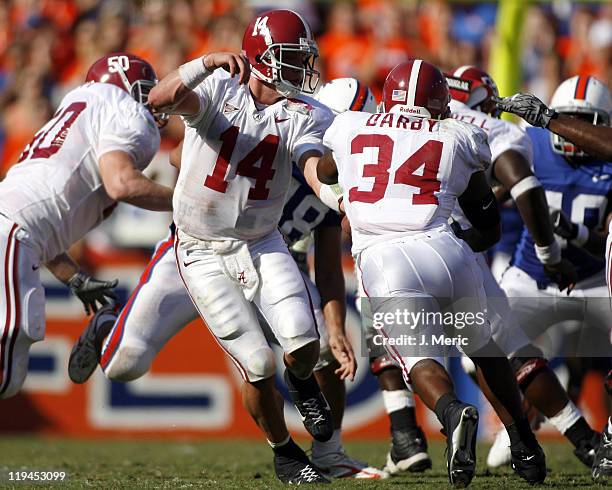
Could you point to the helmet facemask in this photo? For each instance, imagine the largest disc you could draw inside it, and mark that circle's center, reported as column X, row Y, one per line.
column 298, row 59
column 568, row 149
column 140, row 93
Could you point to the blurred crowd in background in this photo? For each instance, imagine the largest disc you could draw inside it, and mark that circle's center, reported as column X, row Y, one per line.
column 46, row 46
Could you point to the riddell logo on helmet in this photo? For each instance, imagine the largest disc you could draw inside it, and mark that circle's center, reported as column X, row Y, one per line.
column 411, row 110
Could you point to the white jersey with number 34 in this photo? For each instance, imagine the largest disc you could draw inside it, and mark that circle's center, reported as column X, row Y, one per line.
column 402, row 175
column 55, row 192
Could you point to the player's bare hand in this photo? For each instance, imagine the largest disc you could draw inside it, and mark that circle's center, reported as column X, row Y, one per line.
column 233, row 63
column 342, row 351
column 92, row 291
column 563, row 274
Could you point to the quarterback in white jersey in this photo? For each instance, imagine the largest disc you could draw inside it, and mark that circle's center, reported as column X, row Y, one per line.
column 402, row 172
column 68, row 179
column 243, row 132
column 473, row 92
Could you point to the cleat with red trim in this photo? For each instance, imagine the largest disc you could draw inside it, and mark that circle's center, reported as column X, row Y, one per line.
column 340, row 465
column 85, row 353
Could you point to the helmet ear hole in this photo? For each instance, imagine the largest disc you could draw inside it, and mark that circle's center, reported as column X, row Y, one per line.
column 258, row 58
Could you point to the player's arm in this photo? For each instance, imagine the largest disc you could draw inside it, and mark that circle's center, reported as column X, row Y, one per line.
column 513, row 171
column 89, row 290
column 124, row 182
column 480, row 208
column 595, row 140
column 329, row 279
column 593, row 240
column 174, row 93
column 320, row 171
column 175, row 155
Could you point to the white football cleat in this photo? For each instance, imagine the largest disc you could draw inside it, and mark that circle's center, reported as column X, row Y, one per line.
column 339, row 465
column 499, row 454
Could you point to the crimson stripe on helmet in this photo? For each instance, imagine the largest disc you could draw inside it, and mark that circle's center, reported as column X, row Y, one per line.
column 581, row 88
column 360, row 97
column 413, row 82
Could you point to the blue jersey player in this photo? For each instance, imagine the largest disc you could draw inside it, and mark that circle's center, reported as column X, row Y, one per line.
column 579, row 191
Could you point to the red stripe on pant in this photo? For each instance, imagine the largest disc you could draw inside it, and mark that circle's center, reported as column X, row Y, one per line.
column 117, row 332
column 178, row 265
column 4, row 355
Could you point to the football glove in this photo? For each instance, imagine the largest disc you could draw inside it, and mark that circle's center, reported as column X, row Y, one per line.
column 563, row 226
column 92, row 291
column 563, row 274
column 527, row 106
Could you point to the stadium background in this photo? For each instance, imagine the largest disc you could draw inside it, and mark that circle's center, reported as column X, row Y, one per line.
column 46, row 47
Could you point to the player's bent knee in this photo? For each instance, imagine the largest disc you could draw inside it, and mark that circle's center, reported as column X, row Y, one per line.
column 129, row 363
column 297, row 327
column 261, row 364
column 527, row 368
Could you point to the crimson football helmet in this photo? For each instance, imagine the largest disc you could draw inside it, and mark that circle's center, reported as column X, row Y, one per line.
column 130, row 73
column 281, row 50
column 416, row 88
column 475, row 88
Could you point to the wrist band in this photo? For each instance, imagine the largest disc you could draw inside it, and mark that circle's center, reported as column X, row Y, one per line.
column 330, row 196
column 524, row 185
column 193, row 73
column 549, row 254
column 582, row 237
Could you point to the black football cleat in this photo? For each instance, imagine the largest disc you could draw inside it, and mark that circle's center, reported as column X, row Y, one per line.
column 297, row 470
column 528, row 463
column 585, row 452
column 86, row 351
column 312, row 406
column 460, row 430
column 602, row 466
column 408, row 452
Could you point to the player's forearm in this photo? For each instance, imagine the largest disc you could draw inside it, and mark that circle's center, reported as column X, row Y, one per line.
column 146, row 194
column 334, row 313
column 533, row 208
column 595, row 140
column 63, row 267
column 169, row 94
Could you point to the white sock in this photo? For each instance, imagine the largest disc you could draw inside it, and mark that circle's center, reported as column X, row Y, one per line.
column 278, row 444
column 334, row 445
column 609, row 425
column 397, row 399
column 566, row 417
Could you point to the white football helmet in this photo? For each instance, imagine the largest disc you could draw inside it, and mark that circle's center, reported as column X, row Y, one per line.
column 577, row 96
column 346, row 94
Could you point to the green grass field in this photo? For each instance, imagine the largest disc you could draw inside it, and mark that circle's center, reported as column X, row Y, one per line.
column 135, row 464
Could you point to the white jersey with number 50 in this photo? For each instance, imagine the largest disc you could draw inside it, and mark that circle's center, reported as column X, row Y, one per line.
column 236, row 160
column 402, row 175
column 55, row 192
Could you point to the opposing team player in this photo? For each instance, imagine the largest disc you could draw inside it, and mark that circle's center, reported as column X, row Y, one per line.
column 243, row 131
column 474, row 93
column 402, row 171
column 408, row 443
column 68, row 179
column 577, row 188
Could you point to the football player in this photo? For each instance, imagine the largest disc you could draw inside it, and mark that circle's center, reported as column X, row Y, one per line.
column 402, row 171
column 474, row 93
column 69, row 178
column 577, row 188
column 243, row 130
column 408, row 443
column 135, row 336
